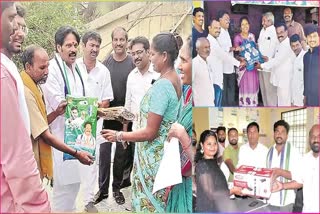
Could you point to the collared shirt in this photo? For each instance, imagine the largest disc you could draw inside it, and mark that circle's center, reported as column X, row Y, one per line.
column 202, row 87
column 232, row 154
column 268, row 41
column 137, row 86
column 21, row 187
column 196, row 35
column 281, row 65
column 253, row 157
column 297, row 80
column 296, row 28
column 294, row 160
column 216, row 61
column 12, row 68
column 65, row 172
column 224, row 40
column 308, row 175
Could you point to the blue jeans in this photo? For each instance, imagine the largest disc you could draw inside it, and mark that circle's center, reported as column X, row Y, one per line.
column 217, row 95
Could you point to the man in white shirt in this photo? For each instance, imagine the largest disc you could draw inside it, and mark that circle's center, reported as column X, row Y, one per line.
column 307, row 175
column 140, row 78
column 253, row 153
column 229, row 96
column 203, row 92
column 267, row 42
column 297, row 84
column 64, row 78
column 281, row 66
column 283, row 158
column 98, row 83
column 216, row 61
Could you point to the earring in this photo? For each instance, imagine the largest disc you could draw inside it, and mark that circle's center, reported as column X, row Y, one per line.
column 201, row 151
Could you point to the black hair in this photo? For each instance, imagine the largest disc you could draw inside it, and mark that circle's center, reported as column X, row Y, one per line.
column 281, row 123
column 91, row 35
column 62, row 33
column 203, row 137
column 221, row 128
column 294, row 38
column 86, row 123
column 281, row 24
column 178, row 40
column 5, row 5
column 196, row 10
column 253, row 124
column 310, row 28
column 140, row 40
column 74, row 108
column 120, row 28
column 28, row 55
column 220, row 14
column 232, row 129
column 244, row 18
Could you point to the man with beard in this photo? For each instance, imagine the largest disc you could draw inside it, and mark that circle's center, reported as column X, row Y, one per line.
column 64, row 78
column 119, row 64
column 97, row 78
column 283, row 158
column 307, row 175
column 197, row 30
column 230, row 154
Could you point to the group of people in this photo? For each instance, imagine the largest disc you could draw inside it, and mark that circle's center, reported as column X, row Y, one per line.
column 145, row 81
column 291, row 171
column 282, row 63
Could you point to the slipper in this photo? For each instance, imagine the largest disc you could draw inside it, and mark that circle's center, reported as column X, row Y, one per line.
column 118, row 196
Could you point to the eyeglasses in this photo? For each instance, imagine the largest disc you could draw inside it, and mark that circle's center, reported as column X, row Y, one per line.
column 22, row 28
column 138, row 53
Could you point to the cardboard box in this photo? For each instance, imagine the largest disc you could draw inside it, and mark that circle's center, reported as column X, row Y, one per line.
column 255, row 182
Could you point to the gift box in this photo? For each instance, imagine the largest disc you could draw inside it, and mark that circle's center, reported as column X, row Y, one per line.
column 255, row 182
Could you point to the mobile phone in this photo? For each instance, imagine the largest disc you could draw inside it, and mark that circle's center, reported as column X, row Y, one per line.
column 253, row 203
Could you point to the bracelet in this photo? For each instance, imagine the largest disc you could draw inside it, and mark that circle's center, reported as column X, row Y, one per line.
column 119, row 136
column 75, row 153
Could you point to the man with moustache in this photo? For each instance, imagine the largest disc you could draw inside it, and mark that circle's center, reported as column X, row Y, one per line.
column 98, row 82
column 283, row 158
column 281, row 66
column 64, row 78
column 216, row 61
column 119, row 64
column 221, row 135
column 297, row 74
column 21, row 187
column 306, row 175
column 230, row 154
column 311, row 67
column 203, row 92
column 197, row 30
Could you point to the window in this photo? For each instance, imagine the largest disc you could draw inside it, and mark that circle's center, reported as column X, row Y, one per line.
column 297, row 120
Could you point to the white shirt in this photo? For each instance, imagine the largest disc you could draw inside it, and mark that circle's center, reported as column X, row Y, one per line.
column 202, row 87
column 98, row 83
column 65, row 172
column 250, row 157
column 294, row 160
column 224, row 40
column 216, row 61
column 137, row 87
column 308, row 175
column 12, row 68
column 281, row 65
column 297, row 80
column 268, row 41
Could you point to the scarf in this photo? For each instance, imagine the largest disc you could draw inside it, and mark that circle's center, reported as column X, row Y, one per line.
column 45, row 154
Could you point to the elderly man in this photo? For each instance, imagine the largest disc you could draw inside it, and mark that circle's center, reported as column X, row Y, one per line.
column 197, row 30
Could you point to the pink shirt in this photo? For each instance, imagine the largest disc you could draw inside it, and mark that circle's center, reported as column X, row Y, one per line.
column 21, row 187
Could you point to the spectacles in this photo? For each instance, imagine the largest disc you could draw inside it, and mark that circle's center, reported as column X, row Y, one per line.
column 138, row 53
column 22, row 28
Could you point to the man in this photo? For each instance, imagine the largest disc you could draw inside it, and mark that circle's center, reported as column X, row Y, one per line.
column 221, row 135
column 311, row 66
column 294, row 27
column 98, row 81
column 21, row 187
column 64, row 78
column 197, row 30
column 229, row 97
column 281, row 66
column 141, row 78
column 268, row 41
column 216, row 61
column 307, row 175
column 253, row 153
column 230, row 154
column 297, row 75
column 119, row 64
column 203, row 92
column 282, row 158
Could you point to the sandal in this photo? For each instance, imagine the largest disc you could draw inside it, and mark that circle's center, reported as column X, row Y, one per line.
column 118, row 196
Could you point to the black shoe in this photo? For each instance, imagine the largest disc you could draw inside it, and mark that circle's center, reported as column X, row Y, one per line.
column 99, row 197
column 118, row 196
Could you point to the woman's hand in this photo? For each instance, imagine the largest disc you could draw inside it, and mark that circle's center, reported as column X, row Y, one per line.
column 109, row 135
column 177, row 131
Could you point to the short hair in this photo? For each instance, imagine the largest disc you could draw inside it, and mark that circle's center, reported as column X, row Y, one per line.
column 28, row 55
column 62, row 33
column 5, row 5
column 221, row 128
column 74, row 108
column 281, row 24
column 221, row 13
column 253, row 124
column 120, row 28
column 269, row 16
column 140, row 40
column 294, row 38
column 288, row 8
column 281, row 123
column 244, row 18
column 199, row 40
column 196, row 10
column 232, row 129
column 91, row 35
column 86, row 123
column 21, row 11
column 310, row 28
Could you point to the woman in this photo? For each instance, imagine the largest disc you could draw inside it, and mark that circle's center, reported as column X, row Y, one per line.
column 248, row 80
column 212, row 188
column 158, row 110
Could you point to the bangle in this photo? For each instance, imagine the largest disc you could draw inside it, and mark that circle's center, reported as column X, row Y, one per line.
column 75, row 153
